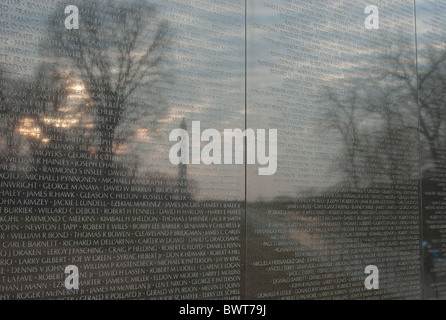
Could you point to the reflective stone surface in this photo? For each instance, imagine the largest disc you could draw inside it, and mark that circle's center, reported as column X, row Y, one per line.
column 85, row 173
column 346, row 192
column 431, row 57
column 87, row 179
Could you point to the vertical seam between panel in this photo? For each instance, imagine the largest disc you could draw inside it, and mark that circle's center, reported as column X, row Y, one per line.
column 246, row 157
column 420, row 177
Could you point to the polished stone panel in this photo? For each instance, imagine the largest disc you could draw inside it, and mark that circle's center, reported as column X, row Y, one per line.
column 85, row 173
column 431, row 56
column 345, row 195
column 122, row 154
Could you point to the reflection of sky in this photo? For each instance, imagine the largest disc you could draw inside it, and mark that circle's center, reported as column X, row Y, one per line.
column 430, row 26
column 207, row 56
column 205, row 62
column 299, row 47
column 322, row 44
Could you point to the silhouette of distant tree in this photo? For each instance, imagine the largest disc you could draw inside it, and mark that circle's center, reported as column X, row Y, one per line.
column 119, row 61
column 376, row 118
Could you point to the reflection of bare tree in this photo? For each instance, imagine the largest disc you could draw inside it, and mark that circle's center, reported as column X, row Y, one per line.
column 118, row 62
column 50, row 113
column 432, row 100
column 429, row 90
column 344, row 120
column 382, row 120
column 376, row 118
column 432, row 113
column 11, row 97
column 94, row 88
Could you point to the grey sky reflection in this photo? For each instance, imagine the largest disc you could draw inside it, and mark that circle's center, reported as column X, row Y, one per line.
column 206, row 60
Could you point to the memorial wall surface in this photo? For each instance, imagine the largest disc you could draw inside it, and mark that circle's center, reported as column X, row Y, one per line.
column 229, row 149
column 86, row 178
column 431, row 57
column 345, row 195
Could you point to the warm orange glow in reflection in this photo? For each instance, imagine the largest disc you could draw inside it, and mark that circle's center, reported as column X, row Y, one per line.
column 77, row 87
column 61, row 123
column 76, row 91
column 120, row 149
column 142, row 133
column 28, row 127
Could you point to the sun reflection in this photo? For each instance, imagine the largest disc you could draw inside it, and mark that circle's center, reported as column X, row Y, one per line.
column 76, row 91
column 28, row 127
column 61, row 122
